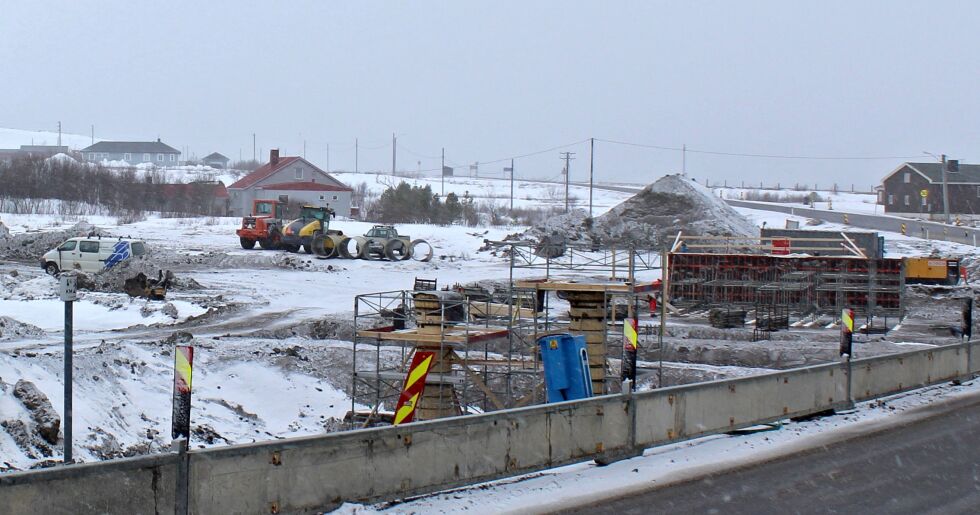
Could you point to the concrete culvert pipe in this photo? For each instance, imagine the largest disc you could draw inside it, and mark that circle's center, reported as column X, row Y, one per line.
column 421, row 251
column 323, row 247
column 347, row 248
column 363, row 250
column 397, row 250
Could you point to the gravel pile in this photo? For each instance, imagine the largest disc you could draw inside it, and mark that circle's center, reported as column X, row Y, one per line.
column 653, row 217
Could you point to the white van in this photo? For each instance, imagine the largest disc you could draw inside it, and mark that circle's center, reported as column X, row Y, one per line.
column 91, row 254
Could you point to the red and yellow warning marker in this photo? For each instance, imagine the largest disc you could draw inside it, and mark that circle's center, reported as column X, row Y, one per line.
column 183, row 370
column 846, row 331
column 411, row 394
column 630, row 345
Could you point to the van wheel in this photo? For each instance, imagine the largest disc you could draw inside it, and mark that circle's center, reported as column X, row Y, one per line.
column 51, row 268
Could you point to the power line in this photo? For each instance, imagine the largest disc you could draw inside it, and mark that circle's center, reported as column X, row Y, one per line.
column 743, row 154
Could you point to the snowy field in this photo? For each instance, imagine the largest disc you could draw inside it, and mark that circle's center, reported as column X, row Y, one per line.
column 846, row 202
column 527, row 194
column 14, row 138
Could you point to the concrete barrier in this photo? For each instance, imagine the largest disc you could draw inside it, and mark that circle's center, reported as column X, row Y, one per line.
column 318, row 473
column 130, row 485
column 878, row 377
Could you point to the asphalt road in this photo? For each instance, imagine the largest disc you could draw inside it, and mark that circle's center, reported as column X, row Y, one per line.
column 927, row 466
column 918, row 229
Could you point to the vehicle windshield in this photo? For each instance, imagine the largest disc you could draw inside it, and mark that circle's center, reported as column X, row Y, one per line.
column 263, row 208
column 138, row 248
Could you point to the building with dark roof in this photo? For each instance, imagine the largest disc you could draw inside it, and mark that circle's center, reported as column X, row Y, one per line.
column 292, row 177
column 133, row 152
column 916, row 190
column 29, row 151
column 215, row 160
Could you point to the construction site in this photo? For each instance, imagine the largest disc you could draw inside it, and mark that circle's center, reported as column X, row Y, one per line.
column 428, row 353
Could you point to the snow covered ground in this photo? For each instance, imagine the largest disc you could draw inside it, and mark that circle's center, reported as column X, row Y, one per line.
column 14, row 138
column 527, row 194
column 846, row 202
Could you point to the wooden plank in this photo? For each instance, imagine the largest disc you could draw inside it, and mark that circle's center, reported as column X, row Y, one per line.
column 455, row 336
column 478, row 381
column 572, row 286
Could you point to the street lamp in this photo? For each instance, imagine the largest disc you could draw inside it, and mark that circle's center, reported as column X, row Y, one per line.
column 942, row 160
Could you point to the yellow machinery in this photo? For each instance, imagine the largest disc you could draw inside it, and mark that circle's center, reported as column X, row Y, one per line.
column 932, row 270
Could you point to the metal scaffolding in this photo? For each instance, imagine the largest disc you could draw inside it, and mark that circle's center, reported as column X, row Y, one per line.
column 486, row 341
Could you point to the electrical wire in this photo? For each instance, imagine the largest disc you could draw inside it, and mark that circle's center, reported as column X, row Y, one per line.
column 764, row 156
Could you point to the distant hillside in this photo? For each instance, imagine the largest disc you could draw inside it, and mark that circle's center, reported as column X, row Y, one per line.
column 14, row 138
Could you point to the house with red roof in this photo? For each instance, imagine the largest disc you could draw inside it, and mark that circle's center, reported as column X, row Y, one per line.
column 294, row 177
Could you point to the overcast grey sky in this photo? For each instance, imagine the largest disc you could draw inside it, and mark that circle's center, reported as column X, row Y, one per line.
column 490, row 80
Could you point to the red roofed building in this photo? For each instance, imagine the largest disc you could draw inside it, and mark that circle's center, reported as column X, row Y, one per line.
column 293, row 176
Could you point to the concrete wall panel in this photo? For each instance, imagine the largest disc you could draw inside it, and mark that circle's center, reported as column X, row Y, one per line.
column 131, row 485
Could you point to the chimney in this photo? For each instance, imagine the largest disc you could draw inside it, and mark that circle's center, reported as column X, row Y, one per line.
column 274, row 156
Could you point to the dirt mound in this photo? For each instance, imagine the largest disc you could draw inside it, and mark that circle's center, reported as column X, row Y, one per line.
column 653, row 217
column 32, row 245
column 673, row 203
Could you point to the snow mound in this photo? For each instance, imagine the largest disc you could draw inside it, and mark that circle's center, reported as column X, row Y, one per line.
column 32, row 245
column 11, row 329
column 61, row 158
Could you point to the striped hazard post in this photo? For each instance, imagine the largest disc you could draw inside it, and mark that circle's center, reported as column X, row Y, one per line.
column 411, row 394
column 630, row 345
column 846, row 331
column 183, row 368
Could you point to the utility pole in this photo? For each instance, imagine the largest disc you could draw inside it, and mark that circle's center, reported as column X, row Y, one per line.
column 93, row 134
column 945, row 191
column 394, row 145
column 254, row 156
column 567, row 156
column 591, row 171
column 59, row 134
column 511, row 170
column 684, row 159
column 442, row 176
column 357, row 149
column 304, row 149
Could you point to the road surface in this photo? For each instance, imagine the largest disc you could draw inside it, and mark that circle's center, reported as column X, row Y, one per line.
column 931, row 465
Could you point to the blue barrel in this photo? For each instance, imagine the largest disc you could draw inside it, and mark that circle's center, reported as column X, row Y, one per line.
column 566, row 367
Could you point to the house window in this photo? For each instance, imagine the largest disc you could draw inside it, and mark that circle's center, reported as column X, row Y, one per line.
column 891, row 198
column 321, row 197
column 298, row 173
column 173, row 157
column 924, row 202
column 127, row 157
column 159, row 157
column 908, row 177
column 146, row 157
column 907, row 200
column 335, row 197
